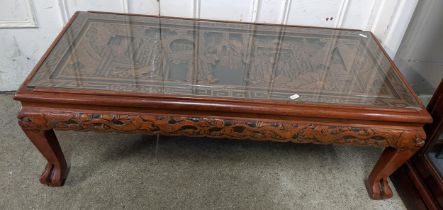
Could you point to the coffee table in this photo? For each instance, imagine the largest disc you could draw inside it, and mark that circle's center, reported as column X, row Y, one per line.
column 112, row 72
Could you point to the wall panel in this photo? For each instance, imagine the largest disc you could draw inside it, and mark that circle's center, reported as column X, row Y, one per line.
column 227, row 10
column 271, row 11
column 100, row 5
column 357, row 14
column 182, row 8
column 390, row 22
column 322, row 13
column 17, row 13
column 148, row 7
column 23, row 47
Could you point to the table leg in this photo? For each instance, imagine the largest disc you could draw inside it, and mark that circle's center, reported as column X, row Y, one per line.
column 46, row 142
column 390, row 160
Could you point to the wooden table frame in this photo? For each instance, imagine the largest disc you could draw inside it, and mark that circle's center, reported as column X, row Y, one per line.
column 399, row 130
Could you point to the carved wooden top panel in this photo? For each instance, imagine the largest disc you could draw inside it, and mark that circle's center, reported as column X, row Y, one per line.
column 188, row 57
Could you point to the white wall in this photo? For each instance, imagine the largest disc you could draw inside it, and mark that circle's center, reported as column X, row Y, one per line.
column 27, row 27
column 420, row 55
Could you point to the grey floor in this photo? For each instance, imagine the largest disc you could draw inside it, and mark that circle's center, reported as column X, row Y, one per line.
column 116, row 171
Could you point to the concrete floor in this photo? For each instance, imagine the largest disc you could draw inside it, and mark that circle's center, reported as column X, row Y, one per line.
column 116, row 171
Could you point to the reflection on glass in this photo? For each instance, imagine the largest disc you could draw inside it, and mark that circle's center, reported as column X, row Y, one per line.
column 436, row 155
column 188, row 57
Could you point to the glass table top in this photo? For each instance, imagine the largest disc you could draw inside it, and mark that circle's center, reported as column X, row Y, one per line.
column 155, row 55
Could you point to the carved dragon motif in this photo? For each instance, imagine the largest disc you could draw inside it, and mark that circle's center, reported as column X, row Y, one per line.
column 218, row 127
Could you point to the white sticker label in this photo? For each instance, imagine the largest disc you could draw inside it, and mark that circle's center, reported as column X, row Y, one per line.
column 295, row 96
column 362, row 35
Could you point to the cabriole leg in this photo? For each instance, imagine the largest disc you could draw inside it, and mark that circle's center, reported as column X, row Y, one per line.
column 46, row 142
column 390, row 160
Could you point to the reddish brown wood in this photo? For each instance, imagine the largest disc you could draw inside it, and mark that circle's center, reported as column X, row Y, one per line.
column 431, row 178
column 228, row 105
column 424, row 166
column 419, row 181
column 300, row 131
column 411, row 188
column 390, row 160
column 46, row 142
column 44, row 109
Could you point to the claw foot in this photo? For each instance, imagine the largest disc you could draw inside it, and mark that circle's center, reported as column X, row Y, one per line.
column 53, row 175
column 380, row 189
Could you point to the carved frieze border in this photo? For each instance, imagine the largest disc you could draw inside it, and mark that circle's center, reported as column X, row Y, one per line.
column 229, row 127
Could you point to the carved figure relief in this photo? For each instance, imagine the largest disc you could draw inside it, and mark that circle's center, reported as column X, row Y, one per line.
column 323, row 68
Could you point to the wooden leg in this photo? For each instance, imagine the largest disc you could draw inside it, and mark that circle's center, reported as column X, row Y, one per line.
column 390, row 160
column 46, row 142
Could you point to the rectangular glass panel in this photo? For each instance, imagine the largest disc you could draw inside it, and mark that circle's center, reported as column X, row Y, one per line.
column 219, row 59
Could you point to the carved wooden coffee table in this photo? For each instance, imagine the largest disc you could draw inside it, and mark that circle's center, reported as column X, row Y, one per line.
column 131, row 73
